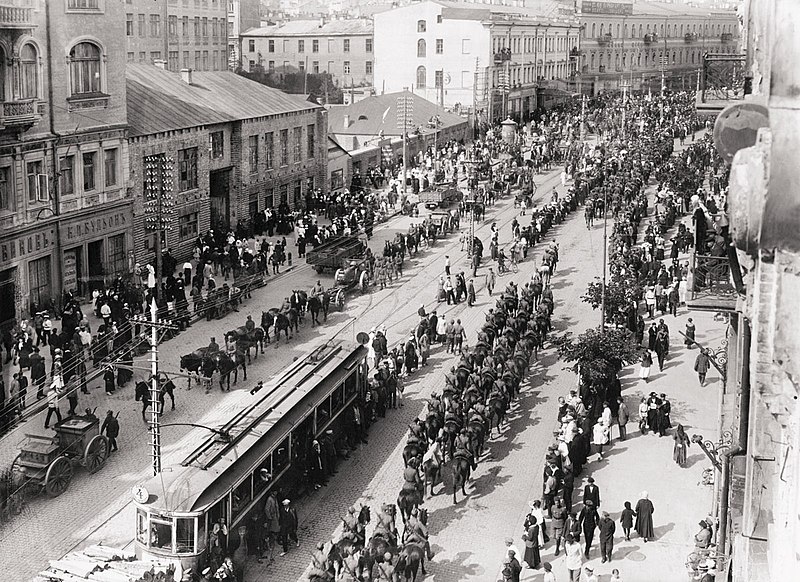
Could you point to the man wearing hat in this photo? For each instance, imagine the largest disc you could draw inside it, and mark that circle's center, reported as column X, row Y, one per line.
column 591, row 492
column 590, row 577
column 588, row 519
column 510, row 547
column 288, row 523
column 606, row 527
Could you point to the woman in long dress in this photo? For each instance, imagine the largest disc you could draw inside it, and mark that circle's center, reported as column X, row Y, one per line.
column 690, row 329
column 644, row 517
column 682, row 443
column 644, row 369
column 531, row 537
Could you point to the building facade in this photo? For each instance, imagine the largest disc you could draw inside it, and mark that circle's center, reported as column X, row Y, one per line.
column 218, row 148
column 341, row 48
column 634, row 42
column 468, row 56
column 187, row 35
column 243, row 15
column 65, row 215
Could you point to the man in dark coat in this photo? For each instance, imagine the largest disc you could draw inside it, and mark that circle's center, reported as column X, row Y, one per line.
column 588, row 518
column 607, row 527
column 288, row 522
column 111, row 429
column 591, row 493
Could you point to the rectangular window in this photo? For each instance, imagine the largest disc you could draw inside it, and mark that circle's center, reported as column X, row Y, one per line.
column 6, row 192
column 142, row 56
column 83, row 4
column 337, row 179
column 310, row 141
column 298, row 193
column 346, row 45
column 297, row 135
column 187, row 169
column 271, row 46
column 205, row 27
column 174, row 65
column 346, row 67
column 284, row 194
column 129, row 25
column 269, row 198
column 196, row 60
column 330, row 67
column 89, row 159
column 368, row 45
column 301, row 46
column 439, row 46
column 217, row 144
column 271, row 66
column 269, row 146
column 186, row 64
column 286, row 45
column 438, row 77
column 155, row 25
column 131, row 57
column 185, row 26
column 215, row 60
column 196, row 26
column 315, row 67
column 315, row 46
column 251, row 45
column 39, row 280
column 117, row 261
column 465, row 46
column 331, row 46
column 111, row 167
column 205, row 60
column 253, row 153
column 368, row 66
column 66, row 168
column 155, row 56
column 188, row 226
column 284, row 145
column 36, row 180
column 172, row 25
column 142, row 25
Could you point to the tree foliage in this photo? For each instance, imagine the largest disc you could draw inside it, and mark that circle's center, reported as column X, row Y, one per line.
column 599, row 356
column 319, row 85
column 620, row 293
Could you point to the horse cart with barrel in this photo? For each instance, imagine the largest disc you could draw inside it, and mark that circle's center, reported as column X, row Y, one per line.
column 46, row 463
column 330, row 255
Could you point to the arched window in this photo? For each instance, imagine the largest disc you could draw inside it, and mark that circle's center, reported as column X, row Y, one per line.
column 662, row 30
column 28, row 72
column 84, row 68
column 421, row 48
column 594, row 29
column 640, row 30
column 639, row 60
column 681, row 29
column 692, row 54
column 3, row 74
column 422, row 77
column 645, row 60
column 592, row 61
column 602, row 28
column 624, row 60
column 618, row 30
column 616, row 61
column 421, row 26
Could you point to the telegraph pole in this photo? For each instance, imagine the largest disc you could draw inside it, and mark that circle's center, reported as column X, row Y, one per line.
column 405, row 108
column 154, row 427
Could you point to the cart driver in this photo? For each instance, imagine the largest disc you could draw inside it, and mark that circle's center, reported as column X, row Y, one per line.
column 317, row 289
column 287, row 305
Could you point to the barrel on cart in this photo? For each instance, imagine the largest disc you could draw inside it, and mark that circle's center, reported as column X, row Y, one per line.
column 46, row 462
column 330, row 254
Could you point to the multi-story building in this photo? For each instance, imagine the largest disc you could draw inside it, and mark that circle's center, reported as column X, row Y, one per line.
column 243, row 15
column 187, row 35
column 221, row 148
column 636, row 42
column 341, row 48
column 491, row 57
column 65, row 216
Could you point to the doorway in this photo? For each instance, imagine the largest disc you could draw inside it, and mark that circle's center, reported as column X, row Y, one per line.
column 95, row 260
column 8, row 289
column 220, row 182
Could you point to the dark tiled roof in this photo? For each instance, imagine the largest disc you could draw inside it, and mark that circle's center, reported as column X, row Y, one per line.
column 367, row 116
column 159, row 100
column 313, row 28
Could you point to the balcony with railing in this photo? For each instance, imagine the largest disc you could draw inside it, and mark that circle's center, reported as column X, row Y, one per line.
column 723, row 81
column 710, row 285
column 650, row 38
column 21, row 113
column 15, row 17
column 605, row 40
column 690, row 37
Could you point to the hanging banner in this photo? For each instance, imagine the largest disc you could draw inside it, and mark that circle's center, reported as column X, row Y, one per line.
column 70, row 271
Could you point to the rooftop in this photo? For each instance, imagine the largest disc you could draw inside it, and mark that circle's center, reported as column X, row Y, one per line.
column 313, row 28
column 372, row 115
column 159, row 100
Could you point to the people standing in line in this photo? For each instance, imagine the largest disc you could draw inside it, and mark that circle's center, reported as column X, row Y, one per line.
column 288, row 522
column 645, row 364
column 606, row 527
column 626, row 520
column 701, row 365
column 111, row 429
column 531, row 539
column 643, row 415
column 588, row 519
column 512, row 566
column 573, row 559
column 682, row 443
column 558, row 515
column 622, row 418
column 510, row 547
column 644, row 517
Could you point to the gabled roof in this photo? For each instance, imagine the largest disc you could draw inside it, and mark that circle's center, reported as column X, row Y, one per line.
column 313, row 28
column 334, row 144
column 372, row 115
column 160, row 100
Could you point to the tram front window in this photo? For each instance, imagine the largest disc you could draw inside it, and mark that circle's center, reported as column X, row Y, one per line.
column 161, row 534
column 141, row 526
column 184, row 535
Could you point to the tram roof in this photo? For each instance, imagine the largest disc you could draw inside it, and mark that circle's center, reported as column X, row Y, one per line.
column 219, row 463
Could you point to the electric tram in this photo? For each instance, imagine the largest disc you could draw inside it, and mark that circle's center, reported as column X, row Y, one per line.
column 261, row 448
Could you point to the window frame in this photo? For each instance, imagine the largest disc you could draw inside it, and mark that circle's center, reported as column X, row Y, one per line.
column 422, row 26
column 216, row 146
column 439, row 46
column 29, row 72
column 187, row 169
column 6, row 189
column 111, row 171
column 188, row 225
column 96, row 78
column 252, row 153
column 89, row 180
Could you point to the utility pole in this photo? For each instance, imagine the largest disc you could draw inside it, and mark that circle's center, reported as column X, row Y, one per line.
column 405, row 108
column 605, row 267
column 155, row 326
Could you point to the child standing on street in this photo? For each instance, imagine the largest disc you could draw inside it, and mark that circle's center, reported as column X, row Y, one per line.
column 626, row 519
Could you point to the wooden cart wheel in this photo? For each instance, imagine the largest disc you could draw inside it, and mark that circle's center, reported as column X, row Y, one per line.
column 362, row 282
column 340, row 300
column 58, row 476
column 96, row 453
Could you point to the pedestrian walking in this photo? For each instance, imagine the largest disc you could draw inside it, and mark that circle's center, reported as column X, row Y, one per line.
column 471, row 293
column 644, row 517
column 606, row 528
column 645, row 364
column 588, row 519
column 682, row 443
column 491, row 281
column 689, row 333
column 626, row 520
column 558, row 515
column 591, row 493
column 53, row 396
column 599, row 437
column 111, row 429
column 701, row 365
column 447, row 265
column 622, row 418
column 288, row 523
column 573, row 560
column 459, row 335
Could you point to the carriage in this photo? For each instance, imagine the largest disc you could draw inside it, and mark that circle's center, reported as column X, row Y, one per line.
column 443, row 222
column 333, row 252
column 443, row 195
column 45, row 463
column 353, row 273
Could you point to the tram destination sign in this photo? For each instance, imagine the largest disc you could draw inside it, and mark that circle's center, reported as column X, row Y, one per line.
column 617, row 8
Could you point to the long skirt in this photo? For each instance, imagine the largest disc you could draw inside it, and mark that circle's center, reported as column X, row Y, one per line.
column 532, row 556
column 644, row 372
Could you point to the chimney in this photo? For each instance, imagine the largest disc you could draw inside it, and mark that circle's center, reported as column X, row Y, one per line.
column 346, row 121
column 160, row 63
column 321, row 21
column 186, row 76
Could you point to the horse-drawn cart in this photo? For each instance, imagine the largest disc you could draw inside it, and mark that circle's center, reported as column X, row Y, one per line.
column 331, row 253
column 46, row 462
column 442, row 195
column 353, row 273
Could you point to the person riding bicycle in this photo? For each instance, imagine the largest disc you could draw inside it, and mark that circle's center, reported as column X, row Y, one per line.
column 501, row 261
